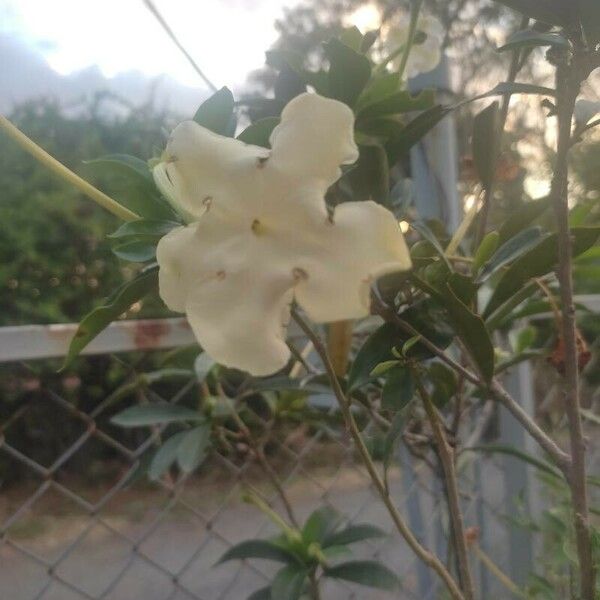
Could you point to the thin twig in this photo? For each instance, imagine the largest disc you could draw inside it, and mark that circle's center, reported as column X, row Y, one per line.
column 152, row 8
column 425, row 555
column 568, row 82
column 258, row 451
column 446, row 457
column 561, row 458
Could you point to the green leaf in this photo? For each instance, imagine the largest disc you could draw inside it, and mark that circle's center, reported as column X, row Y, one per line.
column 531, row 38
column 320, row 524
column 165, row 456
column 143, row 228
column 216, row 113
column 511, row 87
column 485, row 143
column 553, row 12
column 392, row 437
column 445, row 383
column 259, row 132
column 512, row 451
column 370, row 178
column 397, row 103
column 486, row 249
column 288, row 583
column 366, row 572
column 384, row 367
column 353, row 534
column 538, row 261
column 349, row 71
column 192, row 448
column 510, row 251
column 263, row 549
column 379, row 88
column 414, row 131
column 352, row 37
column 469, row 326
column 130, row 182
column 262, row 594
column 155, row 414
column 118, row 303
column 523, row 217
column 203, row 364
column 589, row 11
column 369, row 39
column 136, row 251
column 398, row 389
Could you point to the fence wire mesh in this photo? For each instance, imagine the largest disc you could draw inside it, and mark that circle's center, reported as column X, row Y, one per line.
column 108, row 533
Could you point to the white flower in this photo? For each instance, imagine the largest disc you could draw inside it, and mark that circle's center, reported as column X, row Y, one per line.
column 424, row 56
column 261, row 236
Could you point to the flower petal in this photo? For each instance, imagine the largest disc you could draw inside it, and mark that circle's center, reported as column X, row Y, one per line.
column 363, row 243
column 236, row 300
column 203, row 168
column 315, row 137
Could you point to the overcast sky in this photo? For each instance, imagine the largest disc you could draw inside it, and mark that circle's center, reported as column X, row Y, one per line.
column 227, row 38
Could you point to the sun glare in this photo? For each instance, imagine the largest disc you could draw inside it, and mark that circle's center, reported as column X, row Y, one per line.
column 365, row 18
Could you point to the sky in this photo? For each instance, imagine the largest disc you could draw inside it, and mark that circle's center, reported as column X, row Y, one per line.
column 227, row 38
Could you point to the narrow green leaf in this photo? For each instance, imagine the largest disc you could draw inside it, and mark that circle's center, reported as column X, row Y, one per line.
column 263, row 549
column 143, row 228
column 192, row 448
column 398, row 389
column 259, row 132
column 414, row 131
column 155, row 414
column 522, row 218
column 129, row 181
column 349, row 71
column 139, row 251
column 392, row 437
column 353, row 534
column 261, row 594
column 203, row 364
column 320, row 524
column 553, row 12
column 352, row 37
column 380, row 87
column 589, row 11
column 289, row 583
column 531, row 38
column 486, row 250
column 511, row 250
column 165, row 456
column 538, row 261
column 512, row 451
column 366, row 572
column 216, row 113
column 370, row 177
column 445, row 383
column 99, row 318
column 397, row 103
column 485, row 143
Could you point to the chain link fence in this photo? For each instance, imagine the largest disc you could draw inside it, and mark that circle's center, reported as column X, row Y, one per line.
column 109, row 533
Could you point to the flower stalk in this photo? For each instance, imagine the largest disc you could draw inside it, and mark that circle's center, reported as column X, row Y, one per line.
column 64, row 173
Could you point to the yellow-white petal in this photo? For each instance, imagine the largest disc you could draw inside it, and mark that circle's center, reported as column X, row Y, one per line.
column 206, row 169
column 363, row 243
column 315, row 137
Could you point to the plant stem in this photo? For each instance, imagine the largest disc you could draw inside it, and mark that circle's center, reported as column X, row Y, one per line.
column 315, row 591
column 59, row 169
column 561, row 458
column 412, row 31
column 498, row 573
column 158, row 16
column 446, row 457
column 259, row 453
column 513, row 71
column 425, row 555
column 568, row 84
